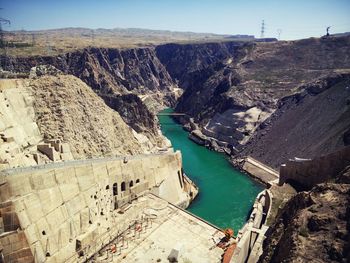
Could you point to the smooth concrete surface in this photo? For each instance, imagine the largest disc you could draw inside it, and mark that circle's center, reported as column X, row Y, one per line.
column 262, row 172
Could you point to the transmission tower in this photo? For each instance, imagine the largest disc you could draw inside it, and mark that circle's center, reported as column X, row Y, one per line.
column 262, row 32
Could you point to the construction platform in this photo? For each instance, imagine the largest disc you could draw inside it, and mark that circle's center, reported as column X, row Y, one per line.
column 165, row 233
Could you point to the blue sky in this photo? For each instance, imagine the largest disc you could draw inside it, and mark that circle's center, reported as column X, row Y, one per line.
column 296, row 19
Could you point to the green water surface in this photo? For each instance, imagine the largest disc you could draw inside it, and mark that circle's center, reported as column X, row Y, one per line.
column 225, row 195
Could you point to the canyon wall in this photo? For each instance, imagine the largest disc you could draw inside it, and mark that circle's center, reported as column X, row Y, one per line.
column 57, row 117
column 233, row 91
column 313, row 225
column 314, row 121
column 232, row 96
column 119, row 73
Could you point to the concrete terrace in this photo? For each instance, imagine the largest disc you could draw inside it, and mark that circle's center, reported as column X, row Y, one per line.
column 170, row 230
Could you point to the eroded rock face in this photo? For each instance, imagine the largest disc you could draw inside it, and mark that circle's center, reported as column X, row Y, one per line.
column 122, row 73
column 106, row 70
column 223, row 88
column 230, row 89
column 313, row 226
column 42, row 70
column 313, row 122
column 67, row 109
column 133, row 112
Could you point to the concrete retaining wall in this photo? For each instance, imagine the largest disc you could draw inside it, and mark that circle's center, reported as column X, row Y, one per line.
column 304, row 174
column 59, row 206
column 251, row 236
column 260, row 171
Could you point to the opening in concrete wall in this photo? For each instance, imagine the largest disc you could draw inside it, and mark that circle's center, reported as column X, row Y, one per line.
column 180, row 178
column 137, row 181
column 115, row 203
column 115, row 189
column 131, row 184
column 123, row 187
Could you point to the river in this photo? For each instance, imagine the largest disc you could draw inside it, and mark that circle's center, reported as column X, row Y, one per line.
column 225, row 195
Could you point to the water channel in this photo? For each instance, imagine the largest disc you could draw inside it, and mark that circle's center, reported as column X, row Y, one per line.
column 225, row 194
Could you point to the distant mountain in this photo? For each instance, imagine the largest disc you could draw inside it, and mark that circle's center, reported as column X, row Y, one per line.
column 62, row 40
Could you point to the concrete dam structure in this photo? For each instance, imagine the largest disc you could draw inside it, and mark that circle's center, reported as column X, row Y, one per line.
column 66, row 212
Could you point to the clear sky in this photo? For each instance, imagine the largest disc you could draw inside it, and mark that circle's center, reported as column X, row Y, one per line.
column 296, row 18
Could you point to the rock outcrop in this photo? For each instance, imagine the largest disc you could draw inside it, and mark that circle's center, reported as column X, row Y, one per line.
column 115, row 72
column 313, row 122
column 67, row 109
column 231, row 93
column 108, row 71
column 313, row 226
column 231, row 89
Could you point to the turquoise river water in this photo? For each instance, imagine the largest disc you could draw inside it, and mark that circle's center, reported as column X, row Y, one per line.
column 225, row 195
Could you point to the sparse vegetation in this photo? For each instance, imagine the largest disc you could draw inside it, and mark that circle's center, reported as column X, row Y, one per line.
column 304, row 232
column 53, row 42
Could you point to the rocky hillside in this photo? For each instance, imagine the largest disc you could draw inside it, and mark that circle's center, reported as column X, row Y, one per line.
column 134, row 113
column 313, row 226
column 119, row 73
column 67, row 109
column 107, row 70
column 313, row 121
column 230, row 89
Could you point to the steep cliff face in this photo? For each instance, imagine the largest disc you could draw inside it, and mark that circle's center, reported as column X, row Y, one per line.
column 106, row 70
column 230, row 93
column 313, row 226
column 67, row 109
column 133, row 112
column 182, row 61
column 230, row 89
column 119, row 73
column 313, row 122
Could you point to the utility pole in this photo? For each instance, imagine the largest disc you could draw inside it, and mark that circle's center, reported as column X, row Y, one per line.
column 92, row 37
column 279, row 32
column 48, row 47
column 2, row 40
column 3, row 21
column 262, row 32
column 33, row 39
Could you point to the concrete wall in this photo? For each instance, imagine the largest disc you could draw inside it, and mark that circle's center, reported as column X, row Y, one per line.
column 262, row 172
column 304, row 174
column 251, row 236
column 61, row 205
column 18, row 129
